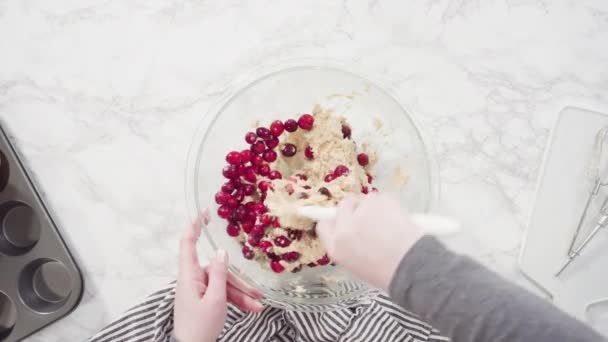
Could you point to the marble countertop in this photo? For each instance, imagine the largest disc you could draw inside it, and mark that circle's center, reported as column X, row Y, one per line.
column 103, row 97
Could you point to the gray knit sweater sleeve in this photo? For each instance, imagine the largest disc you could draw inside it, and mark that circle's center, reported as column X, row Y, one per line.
column 469, row 303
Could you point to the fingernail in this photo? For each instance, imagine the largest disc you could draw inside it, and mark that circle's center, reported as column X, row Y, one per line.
column 221, row 256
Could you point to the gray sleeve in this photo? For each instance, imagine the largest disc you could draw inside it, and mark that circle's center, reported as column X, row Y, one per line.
column 469, row 303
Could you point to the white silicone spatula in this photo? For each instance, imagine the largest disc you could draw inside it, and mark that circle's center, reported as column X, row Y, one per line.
column 430, row 224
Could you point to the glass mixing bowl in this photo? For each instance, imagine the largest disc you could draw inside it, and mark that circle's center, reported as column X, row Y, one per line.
column 285, row 91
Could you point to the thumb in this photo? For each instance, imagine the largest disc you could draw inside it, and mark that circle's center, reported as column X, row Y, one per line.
column 218, row 278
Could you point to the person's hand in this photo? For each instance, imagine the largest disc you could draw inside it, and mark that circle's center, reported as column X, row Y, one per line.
column 369, row 237
column 202, row 293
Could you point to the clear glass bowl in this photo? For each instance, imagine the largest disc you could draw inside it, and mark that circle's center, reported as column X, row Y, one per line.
column 285, row 91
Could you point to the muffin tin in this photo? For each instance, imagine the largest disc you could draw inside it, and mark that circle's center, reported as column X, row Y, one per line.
column 39, row 280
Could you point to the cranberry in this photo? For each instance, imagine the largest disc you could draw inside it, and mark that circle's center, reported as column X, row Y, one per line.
column 324, row 260
column 291, row 125
column 241, row 170
column 230, row 171
column 282, row 241
column 249, row 189
column 289, row 150
column 276, row 223
column 251, row 137
column 346, row 132
column 257, row 160
column 272, row 143
column 264, row 170
column 341, row 170
column 329, row 178
column 294, row 234
column 276, row 128
column 263, row 133
column 258, row 231
column 221, row 197
column 247, row 227
column 258, row 148
column 253, row 242
column 260, row 209
column 240, row 212
column 291, row 256
column 263, row 186
column 224, row 211
column 236, row 183
column 232, row 229
column 232, row 202
column 307, row 187
column 248, row 253
column 246, row 156
column 266, row 246
column 302, row 177
column 363, row 159
column 250, row 176
column 266, row 220
column 364, row 190
column 250, row 217
column 306, row 121
column 369, row 178
column 270, row 156
column 275, row 175
column 228, row 187
column 308, row 153
column 239, row 195
column 276, row 266
column 233, row 158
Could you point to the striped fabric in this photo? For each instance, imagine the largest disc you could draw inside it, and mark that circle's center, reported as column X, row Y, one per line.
column 375, row 318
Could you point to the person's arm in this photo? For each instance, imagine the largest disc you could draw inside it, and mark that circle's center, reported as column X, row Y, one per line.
column 373, row 238
column 467, row 302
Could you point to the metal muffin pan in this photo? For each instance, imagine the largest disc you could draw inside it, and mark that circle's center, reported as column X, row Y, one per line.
column 39, row 280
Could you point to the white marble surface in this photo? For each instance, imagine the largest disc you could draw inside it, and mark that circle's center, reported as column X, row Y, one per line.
column 102, row 97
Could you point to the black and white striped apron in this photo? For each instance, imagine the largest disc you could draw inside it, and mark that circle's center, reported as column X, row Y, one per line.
column 374, row 318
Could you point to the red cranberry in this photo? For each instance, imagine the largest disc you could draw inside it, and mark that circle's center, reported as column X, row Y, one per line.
column 249, row 189
column 291, row 256
column 364, row 190
column 289, row 150
column 324, row 260
column 272, row 143
column 250, row 176
column 308, row 153
column 276, row 266
column 232, row 202
column 346, row 132
column 294, row 234
column 250, row 217
column 276, row 223
column 266, row 246
column 302, row 177
column 363, row 159
column 248, row 253
column 228, row 187
column 253, row 242
column 282, row 241
column 236, row 183
column 266, row 220
column 260, row 209
column 258, row 148
column 369, row 178
column 264, row 170
column 221, row 197
column 341, row 170
column 257, row 231
column 270, row 156
column 246, row 156
column 232, row 229
column 291, row 125
column 230, row 171
column 263, row 186
column 307, row 187
column 276, row 128
column 247, row 227
column 251, row 137
column 240, row 212
column 257, row 160
column 224, row 211
column 239, row 195
column 241, row 170
column 306, row 121
column 329, row 178
column 233, row 158
column 275, row 175
column 263, row 133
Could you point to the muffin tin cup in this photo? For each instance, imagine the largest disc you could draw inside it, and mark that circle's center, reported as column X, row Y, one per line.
column 40, row 281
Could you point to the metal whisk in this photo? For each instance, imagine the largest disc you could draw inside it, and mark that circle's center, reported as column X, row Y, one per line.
column 597, row 170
